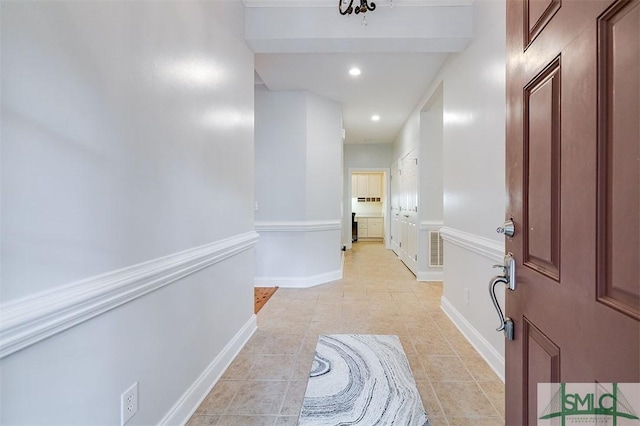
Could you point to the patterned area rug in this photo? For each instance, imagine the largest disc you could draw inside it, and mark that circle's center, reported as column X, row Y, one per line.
column 261, row 295
column 360, row 379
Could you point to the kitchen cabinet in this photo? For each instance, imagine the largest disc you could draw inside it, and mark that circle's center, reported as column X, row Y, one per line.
column 367, row 187
column 374, row 227
column 363, row 185
column 370, row 227
column 354, row 186
column 375, row 185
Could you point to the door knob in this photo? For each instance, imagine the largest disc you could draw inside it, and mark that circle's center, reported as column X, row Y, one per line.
column 508, row 228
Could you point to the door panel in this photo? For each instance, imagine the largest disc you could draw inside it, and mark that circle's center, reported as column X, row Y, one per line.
column 573, row 186
column 537, row 13
column 619, row 151
column 541, row 223
column 541, row 365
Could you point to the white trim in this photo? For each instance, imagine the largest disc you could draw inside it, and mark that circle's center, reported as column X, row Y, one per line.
column 298, row 226
column 427, row 225
column 184, row 408
column 493, row 357
column 299, row 282
column 26, row 321
column 491, row 249
column 430, row 276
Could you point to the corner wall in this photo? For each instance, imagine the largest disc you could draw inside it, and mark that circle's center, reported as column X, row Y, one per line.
column 127, row 192
column 473, row 88
column 298, row 189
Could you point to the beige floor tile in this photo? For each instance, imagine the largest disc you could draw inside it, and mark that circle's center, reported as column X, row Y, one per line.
column 246, row 421
column 240, row 367
column 480, row 370
column 219, row 397
column 286, row 421
column 302, row 368
column 476, row 421
column 438, row 421
column 255, row 343
column 495, row 392
column 333, row 326
column 429, row 399
column 308, row 347
column 282, row 343
column 258, row 398
column 463, row 399
column 293, row 399
column 273, row 367
column 434, row 344
column 197, row 420
column 446, row 369
column 417, row 368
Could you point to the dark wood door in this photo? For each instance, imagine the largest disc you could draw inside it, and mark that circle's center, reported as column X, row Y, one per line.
column 573, row 175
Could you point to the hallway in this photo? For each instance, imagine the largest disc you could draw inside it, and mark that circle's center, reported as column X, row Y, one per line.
column 378, row 295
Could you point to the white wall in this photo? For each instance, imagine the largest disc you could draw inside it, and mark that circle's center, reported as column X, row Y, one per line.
column 431, row 170
column 127, row 135
column 431, row 167
column 281, row 155
column 298, row 188
column 363, row 157
column 473, row 86
column 409, row 136
column 324, row 158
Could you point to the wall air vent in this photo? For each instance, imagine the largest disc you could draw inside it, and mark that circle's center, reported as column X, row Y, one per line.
column 436, row 249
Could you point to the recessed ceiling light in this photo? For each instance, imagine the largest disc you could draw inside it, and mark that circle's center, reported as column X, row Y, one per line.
column 375, row 118
column 355, row 71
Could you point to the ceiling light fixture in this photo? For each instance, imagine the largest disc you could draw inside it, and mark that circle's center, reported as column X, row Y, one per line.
column 355, row 71
column 375, row 118
column 346, row 7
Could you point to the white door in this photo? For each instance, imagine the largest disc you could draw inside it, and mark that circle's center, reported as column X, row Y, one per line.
column 395, row 209
column 409, row 210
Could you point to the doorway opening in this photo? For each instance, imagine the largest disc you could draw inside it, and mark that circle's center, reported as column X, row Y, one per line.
column 368, row 203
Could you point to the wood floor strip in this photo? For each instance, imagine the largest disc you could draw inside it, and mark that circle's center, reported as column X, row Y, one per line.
column 261, row 295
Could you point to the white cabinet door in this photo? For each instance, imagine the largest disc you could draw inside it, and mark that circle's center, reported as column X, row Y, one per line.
column 363, row 228
column 354, row 185
column 363, row 185
column 374, row 228
column 375, row 187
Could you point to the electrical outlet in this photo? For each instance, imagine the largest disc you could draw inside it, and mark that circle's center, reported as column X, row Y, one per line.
column 128, row 403
column 466, row 295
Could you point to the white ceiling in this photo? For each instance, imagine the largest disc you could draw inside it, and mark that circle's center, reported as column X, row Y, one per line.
column 312, row 48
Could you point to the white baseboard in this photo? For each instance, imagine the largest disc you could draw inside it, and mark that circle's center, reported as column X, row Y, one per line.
column 299, row 282
column 484, row 348
column 184, row 408
column 430, row 275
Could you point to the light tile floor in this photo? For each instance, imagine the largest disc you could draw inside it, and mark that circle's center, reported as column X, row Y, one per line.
column 265, row 384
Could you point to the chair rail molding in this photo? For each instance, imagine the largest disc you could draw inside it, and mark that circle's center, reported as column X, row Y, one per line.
column 297, row 225
column 427, row 225
column 491, row 249
column 29, row 320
